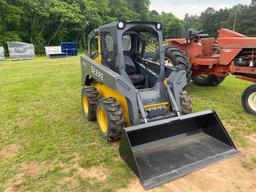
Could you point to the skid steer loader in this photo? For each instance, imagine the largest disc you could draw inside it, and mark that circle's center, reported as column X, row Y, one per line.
column 143, row 101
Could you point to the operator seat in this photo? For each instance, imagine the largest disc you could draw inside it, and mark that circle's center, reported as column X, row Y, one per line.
column 130, row 69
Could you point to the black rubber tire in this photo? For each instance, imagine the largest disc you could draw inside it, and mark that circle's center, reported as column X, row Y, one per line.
column 185, row 102
column 178, row 59
column 245, row 99
column 208, row 80
column 115, row 119
column 92, row 96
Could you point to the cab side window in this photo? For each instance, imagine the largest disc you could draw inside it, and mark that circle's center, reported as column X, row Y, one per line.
column 108, row 50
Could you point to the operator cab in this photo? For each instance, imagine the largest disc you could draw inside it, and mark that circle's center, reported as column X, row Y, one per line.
column 141, row 48
column 130, row 48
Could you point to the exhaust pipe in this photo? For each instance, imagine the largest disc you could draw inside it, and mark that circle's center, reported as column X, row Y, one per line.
column 167, row 149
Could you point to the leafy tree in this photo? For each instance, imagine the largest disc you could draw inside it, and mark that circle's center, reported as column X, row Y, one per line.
column 246, row 20
column 191, row 21
column 153, row 15
column 173, row 27
column 122, row 10
column 140, row 7
column 208, row 21
column 10, row 15
column 49, row 22
column 239, row 17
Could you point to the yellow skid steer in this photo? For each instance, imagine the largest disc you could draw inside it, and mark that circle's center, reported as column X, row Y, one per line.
column 134, row 96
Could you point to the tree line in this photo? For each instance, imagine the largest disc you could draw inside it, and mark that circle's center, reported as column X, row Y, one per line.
column 49, row 22
column 241, row 18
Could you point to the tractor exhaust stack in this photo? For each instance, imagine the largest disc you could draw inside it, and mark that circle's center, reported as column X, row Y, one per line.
column 164, row 150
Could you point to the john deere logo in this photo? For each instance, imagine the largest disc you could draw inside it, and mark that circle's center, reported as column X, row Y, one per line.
column 97, row 73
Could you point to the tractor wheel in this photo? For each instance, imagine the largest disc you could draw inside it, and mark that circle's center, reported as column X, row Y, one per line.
column 90, row 97
column 249, row 99
column 175, row 57
column 208, row 80
column 186, row 103
column 110, row 118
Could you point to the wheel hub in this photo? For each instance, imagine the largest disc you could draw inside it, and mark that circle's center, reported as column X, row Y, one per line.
column 85, row 104
column 168, row 62
column 252, row 101
column 102, row 120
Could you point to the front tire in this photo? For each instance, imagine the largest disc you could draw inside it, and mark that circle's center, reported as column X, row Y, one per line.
column 208, row 80
column 110, row 119
column 89, row 98
column 249, row 99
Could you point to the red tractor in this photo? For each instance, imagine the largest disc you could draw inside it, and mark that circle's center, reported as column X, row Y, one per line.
column 211, row 60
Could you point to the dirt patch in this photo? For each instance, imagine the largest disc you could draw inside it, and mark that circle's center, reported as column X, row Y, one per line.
column 94, row 172
column 76, row 158
column 68, row 184
column 9, row 150
column 230, row 175
column 115, row 145
column 252, row 138
column 248, row 156
column 229, row 127
column 117, row 158
column 67, row 180
column 32, row 169
column 134, row 186
column 65, row 168
column 14, row 185
column 24, row 123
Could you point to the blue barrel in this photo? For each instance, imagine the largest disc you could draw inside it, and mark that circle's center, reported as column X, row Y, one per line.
column 70, row 48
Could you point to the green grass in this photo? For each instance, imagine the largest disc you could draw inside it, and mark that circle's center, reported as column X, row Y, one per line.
column 225, row 99
column 40, row 111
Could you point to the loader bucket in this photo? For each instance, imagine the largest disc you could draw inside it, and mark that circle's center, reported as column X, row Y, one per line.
column 164, row 150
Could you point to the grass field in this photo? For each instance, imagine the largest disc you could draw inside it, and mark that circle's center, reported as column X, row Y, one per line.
column 47, row 145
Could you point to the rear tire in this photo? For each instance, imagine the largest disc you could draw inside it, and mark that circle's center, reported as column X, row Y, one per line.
column 249, row 99
column 110, row 119
column 208, row 80
column 185, row 102
column 175, row 57
column 90, row 97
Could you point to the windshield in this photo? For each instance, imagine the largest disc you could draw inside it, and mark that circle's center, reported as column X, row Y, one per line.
column 141, row 56
column 149, row 45
column 142, row 40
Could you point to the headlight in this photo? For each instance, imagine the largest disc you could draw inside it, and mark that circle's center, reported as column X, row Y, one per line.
column 158, row 26
column 120, row 25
